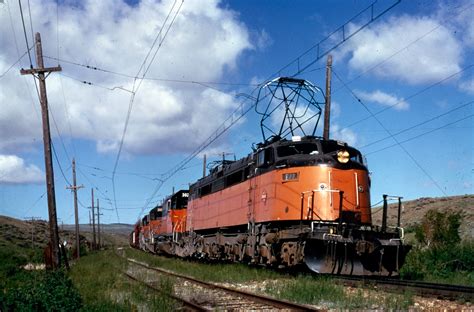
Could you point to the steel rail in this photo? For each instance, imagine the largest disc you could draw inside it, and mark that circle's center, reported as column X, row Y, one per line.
column 425, row 289
column 262, row 299
column 185, row 302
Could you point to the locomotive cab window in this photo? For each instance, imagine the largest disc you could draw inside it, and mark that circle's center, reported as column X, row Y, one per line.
column 297, row 149
column 334, row 147
column 264, row 158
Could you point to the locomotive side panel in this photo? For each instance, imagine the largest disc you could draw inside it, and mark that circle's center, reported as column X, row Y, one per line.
column 220, row 209
column 287, row 194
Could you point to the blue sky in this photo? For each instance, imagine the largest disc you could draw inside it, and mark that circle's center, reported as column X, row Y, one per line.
column 412, row 68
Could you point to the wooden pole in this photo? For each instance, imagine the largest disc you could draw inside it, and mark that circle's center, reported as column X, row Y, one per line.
column 204, row 166
column 48, row 160
column 98, row 221
column 74, row 189
column 327, row 109
column 93, row 221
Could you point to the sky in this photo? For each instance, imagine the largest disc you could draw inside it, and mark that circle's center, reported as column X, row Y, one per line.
column 145, row 84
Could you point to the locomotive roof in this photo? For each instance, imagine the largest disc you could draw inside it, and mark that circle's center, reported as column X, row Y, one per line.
column 322, row 148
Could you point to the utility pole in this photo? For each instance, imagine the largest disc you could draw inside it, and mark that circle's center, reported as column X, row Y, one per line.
column 74, row 189
column 33, row 230
column 39, row 73
column 98, row 220
column 327, row 109
column 204, row 166
column 93, row 220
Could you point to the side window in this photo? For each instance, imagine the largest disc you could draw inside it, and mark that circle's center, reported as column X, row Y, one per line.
column 206, row 190
column 261, row 158
column 265, row 158
column 234, row 178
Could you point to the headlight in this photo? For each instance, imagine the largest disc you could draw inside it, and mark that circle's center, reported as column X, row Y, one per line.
column 343, row 156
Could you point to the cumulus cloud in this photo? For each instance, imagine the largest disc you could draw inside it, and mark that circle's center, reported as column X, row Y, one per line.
column 467, row 86
column 459, row 18
column 343, row 134
column 431, row 51
column 13, row 170
column 204, row 44
column 384, row 99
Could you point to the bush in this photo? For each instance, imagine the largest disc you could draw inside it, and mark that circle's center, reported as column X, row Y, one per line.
column 440, row 255
column 40, row 291
column 439, row 229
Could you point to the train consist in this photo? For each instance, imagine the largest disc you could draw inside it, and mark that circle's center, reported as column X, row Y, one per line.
column 302, row 200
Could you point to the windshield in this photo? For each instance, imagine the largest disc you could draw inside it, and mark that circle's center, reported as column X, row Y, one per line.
column 355, row 156
column 297, row 148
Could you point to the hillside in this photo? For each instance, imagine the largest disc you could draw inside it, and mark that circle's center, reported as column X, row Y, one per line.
column 16, row 233
column 24, row 234
column 414, row 210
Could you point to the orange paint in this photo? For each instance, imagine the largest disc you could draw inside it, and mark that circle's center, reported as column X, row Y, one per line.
column 268, row 197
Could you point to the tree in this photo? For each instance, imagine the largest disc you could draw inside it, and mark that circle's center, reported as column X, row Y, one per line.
column 439, row 229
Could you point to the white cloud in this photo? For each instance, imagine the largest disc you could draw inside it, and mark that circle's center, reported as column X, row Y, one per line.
column 384, row 99
column 342, row 134
column 204, row 44
column 467, row 86
column 459, row 18
column 263, row 40
column 431, row 51
column 335, row 109
column 13, row 170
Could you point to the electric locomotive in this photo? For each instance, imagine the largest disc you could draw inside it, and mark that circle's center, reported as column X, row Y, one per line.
column 295, row 200
column 291, row 202
column 164, row 225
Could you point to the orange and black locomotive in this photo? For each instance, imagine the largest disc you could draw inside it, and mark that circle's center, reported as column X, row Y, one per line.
column 296, row 199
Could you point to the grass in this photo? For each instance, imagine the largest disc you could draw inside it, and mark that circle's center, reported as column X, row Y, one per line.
column 325, row 293
column 320, row 291
column 102, row 287
column 213, row 272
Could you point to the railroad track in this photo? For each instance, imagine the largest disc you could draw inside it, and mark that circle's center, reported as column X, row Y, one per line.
column 441, row 291
column 187, row 305
column 204, row 296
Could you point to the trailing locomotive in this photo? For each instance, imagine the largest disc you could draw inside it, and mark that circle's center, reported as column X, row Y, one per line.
column 163, row 226
column 292, row 201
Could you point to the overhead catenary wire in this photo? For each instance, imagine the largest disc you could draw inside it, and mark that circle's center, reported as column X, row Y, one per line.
column 13, row 65
column 419, row 124
column 404, row 48
column 417, row 93
column 31, row 24
column 65, row 102
column 18, row 53
column 24, row 32
column 207, row 84
column 422, row 134
column 96, row 85
column 59, row 164
column 233, row 119
column 136, row 88
column 318, row 48
column 34, row 203
column 391, row 135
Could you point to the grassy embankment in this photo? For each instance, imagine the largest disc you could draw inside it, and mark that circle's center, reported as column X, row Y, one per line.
column 321, row 291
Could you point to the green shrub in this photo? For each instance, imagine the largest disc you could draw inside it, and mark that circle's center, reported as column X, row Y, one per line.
column 439, row 229
column 40, row 291
column 440, row 255
column 453, row 263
